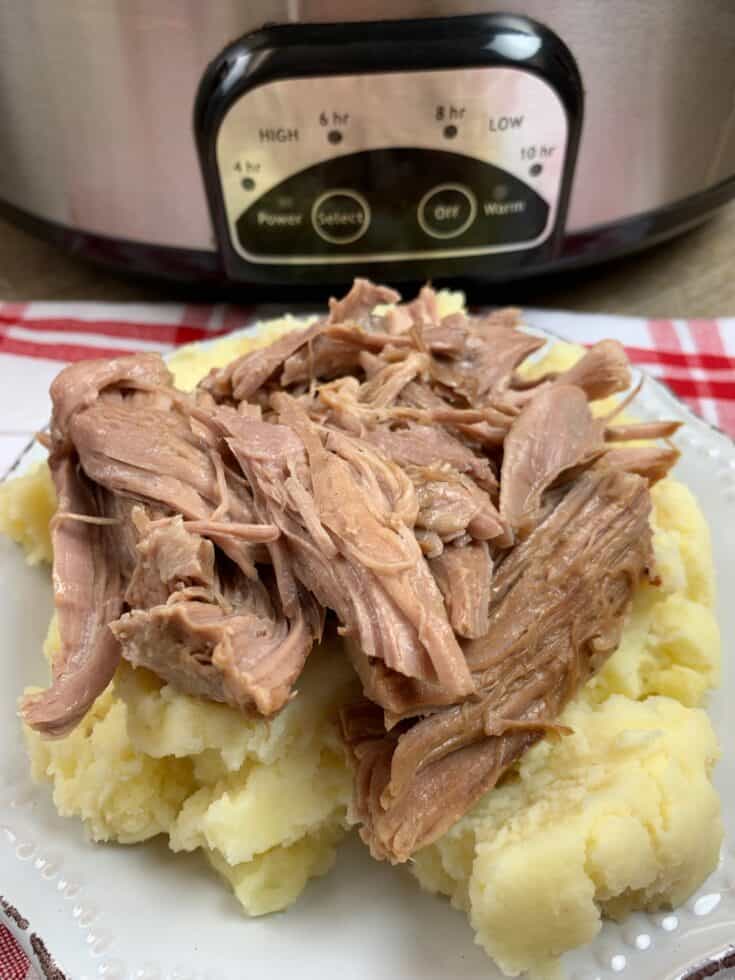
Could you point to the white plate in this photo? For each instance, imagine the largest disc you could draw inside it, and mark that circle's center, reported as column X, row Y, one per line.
column 143, row 913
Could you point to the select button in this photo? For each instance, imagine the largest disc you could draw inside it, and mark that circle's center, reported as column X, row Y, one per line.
column 340, row 216
column 447, row 210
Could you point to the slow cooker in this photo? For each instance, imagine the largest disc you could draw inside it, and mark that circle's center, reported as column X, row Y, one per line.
column 305, row 141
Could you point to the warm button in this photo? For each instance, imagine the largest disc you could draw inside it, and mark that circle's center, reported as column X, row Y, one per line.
column 340, row 216
column 446, row 211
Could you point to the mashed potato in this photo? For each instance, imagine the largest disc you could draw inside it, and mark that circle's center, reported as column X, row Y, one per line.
column 620, row 815
column 265, row 800
column 27, row 504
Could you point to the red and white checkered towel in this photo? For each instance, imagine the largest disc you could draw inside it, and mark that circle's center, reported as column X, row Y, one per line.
column 696, row 358
column 14, row 963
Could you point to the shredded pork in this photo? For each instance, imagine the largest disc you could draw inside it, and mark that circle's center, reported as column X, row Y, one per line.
column 476, row 537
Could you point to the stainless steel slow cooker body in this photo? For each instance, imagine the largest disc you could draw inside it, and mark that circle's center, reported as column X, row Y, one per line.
column 101, row 150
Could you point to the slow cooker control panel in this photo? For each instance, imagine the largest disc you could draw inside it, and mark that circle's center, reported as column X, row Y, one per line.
column 392, row 166
column 423, row 145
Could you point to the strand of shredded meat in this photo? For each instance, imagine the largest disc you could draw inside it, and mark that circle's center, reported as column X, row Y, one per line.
column 475, row 536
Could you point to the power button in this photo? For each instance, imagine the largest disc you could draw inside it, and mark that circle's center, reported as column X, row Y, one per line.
column 447, row 210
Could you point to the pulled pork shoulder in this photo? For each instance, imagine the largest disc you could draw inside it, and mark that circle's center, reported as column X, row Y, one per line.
column 555, row 612
column 476, row 537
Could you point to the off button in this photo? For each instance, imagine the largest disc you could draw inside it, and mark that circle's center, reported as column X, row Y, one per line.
column 447, row 210
column 340, row 216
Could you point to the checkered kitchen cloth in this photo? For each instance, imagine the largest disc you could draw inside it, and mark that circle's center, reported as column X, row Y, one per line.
column 14, row 964
column 695, row 358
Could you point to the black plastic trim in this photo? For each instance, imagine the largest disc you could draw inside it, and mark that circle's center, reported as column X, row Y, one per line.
column 298, row 50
